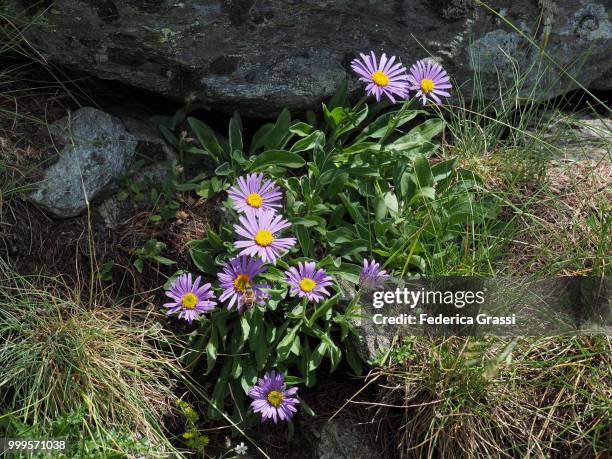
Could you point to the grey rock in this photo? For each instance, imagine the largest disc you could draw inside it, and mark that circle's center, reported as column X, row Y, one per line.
column 156, row 173
column 139, row 124
column 343, row 439
column 372, row 341
column 260, row 56
column 111, row 211
column 589, row 138
column 97, row 149
column 575, row 137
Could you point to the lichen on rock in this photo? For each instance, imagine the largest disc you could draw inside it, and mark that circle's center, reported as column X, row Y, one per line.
column 97, row 149
column 260, row 57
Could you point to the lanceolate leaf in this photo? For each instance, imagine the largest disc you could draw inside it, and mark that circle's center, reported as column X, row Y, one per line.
column 207, row 138
column 279, row 158
column 279, row 131
column 235, row 133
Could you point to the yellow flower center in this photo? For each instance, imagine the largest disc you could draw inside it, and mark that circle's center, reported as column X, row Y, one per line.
column 380, row 78
column 254, row 200
column 264, row 238
column 307, row 284
column 427, row 85
column 189, row 300
column 275, row 398
column 241, row 282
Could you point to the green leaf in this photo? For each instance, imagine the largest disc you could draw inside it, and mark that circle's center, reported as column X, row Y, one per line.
column 443, row 169
column 207, row 138
column 351, row 208
column 353, row 359
column 257, row 338
column 340, row 98
column 351, row 121
column 404, row 185
column 223, row 170
column 337, row 184
column 220, row 391
column 179, row 117
column 418, row 136
column 235, row 133
column 314, row 140
column 304, row 239
column 211, row 352
column 139, row 265
column 391, row 202
column 259, row 138
column 208, row 188
column 362, row 171
column 164, row 261
column 239, row 157
column 307, row 409
column 236, row 368
column 105, row 272
column 380, row 208
column 335, row 116
column 308, row 222
column 284, row 347
column 279, row 158
column 427, row 192
column 378, row 128
column 169, row 136
column 334, row 354
column 423, row 172
column 245, row 327
column 360, row 147
column 279, row 131
column 203, row 252
column 249, row 377
column 317, row 356
column 322, row 309
column 302, row 129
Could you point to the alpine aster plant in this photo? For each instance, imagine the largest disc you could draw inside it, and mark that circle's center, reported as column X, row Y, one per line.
column 272, row 399
column 189, row 299
column 260, row 231
column 382, row 77
column 371, row 276
column 256, row 194
column 238, row 275
column 429, row 80
column 306, row 281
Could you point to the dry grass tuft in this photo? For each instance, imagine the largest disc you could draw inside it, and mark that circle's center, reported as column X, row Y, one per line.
column 565, row 221
column 59, row 355
column 455, row 398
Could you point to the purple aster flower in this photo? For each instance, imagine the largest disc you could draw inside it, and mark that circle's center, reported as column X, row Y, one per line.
column 253, row 193
column 261, row 230
column 429, row 80
column 272, row 399
column 189, row 298
column 371, row 276
column 237, row 278
column 306, row 281
column 384, row 77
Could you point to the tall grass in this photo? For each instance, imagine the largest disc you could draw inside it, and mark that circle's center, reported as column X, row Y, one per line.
column 60, row 356
column 513, row 142
column 461, row 397
column 533, row 397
